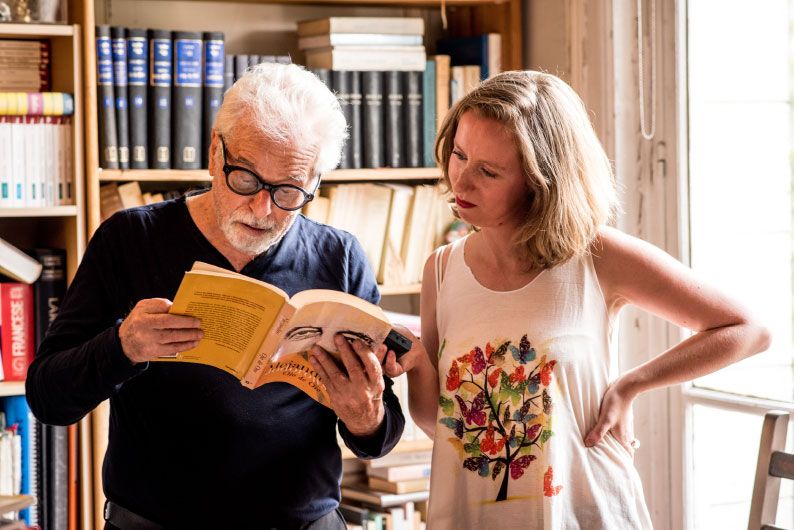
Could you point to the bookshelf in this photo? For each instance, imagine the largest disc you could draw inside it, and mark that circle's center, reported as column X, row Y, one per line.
column 56, row 226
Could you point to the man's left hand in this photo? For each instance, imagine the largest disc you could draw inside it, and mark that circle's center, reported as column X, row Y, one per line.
column 356, row 396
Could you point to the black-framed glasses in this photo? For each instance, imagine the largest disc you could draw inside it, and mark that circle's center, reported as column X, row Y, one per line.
column 243, row 181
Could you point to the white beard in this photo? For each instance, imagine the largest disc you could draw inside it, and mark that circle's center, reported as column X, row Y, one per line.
column 248, row 243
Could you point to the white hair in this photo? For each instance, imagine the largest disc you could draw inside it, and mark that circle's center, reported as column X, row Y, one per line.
column 287, row 105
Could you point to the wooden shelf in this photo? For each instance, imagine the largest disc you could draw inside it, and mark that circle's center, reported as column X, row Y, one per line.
column 52, row 211
column 378, row 3
column 414, row 288
column 36, row 30
column 12, row 388
column 201, row 175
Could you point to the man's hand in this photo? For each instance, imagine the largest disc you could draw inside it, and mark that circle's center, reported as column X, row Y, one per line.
column 149, row 331
column 357, row 396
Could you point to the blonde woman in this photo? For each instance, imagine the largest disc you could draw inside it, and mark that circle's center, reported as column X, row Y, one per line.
column 532, row 427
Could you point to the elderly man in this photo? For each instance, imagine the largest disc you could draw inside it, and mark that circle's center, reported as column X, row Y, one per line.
column 189, row 446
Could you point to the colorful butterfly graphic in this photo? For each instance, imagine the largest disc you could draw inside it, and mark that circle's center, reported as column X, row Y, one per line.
column 453, row 377
column 518, row 465
column 545, row 372
column 475, row 414
column 548, row 489
column 489, row 444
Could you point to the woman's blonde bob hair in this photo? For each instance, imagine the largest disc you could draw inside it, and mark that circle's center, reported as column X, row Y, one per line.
column 571, row 187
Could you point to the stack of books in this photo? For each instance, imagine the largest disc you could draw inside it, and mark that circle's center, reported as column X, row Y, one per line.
column 388, row 492
column 349, row 43
column 24, row 65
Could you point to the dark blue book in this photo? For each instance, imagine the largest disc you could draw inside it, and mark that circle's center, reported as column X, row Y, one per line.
column 429, row 126
column 137, row 81
column 18, row 413
column 118, row 37
column 214, row 64
column 161, row 54
column 465, row 51
column 187, row 101
column 240, row 66
column 106, row 107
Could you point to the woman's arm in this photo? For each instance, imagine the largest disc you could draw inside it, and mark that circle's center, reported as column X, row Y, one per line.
column 632, row 271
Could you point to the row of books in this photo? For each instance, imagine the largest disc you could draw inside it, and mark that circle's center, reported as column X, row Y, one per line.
column 114, row 197
column 158, row 93
column 24, row 65
column 32, row 286
column 403, row 224
column 35, row 460
column 36, row 161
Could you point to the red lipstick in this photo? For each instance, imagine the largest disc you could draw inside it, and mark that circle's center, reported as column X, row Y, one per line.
column 463, row 204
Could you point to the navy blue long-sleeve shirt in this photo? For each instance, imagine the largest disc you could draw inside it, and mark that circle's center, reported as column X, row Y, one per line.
column 189, row 446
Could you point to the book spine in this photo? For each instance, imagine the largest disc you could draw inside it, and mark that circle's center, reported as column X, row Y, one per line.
column 395, row 123
column 413, row 103
column 213, row 88
column 228, row 72
column 16, row 321
column 186, row 117
column 261, row 360
column 340, row 80
column 240, row 66
column 160, row 80
column 119, row 47
column 254, row 59
column 356, row 148
column 49, row 290
column 57, row 467
column 106, row 114
column 429, row 113
column 36, row 104
column 372, row 118
column 137, row 80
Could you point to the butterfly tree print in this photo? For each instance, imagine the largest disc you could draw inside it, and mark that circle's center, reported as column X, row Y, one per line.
column 502, row 416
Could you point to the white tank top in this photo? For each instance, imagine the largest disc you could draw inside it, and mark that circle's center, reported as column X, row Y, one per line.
column 522, row 374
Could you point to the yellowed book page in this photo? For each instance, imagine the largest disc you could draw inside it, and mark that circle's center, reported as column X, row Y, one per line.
column 236, row 313
column 316, row 322
column 296, row 370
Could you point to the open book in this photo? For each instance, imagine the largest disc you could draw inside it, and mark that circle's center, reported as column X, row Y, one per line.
column 256, row 332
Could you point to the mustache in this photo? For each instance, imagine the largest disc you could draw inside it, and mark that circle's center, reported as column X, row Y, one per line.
column 259, row 224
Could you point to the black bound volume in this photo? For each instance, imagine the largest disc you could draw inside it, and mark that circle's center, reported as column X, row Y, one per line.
column 106, row 108
column 212, row 89
column 228, row 72
column 240, row 66
column 161, row 53
column 372, row 118
column 414, row 123
column 395, row 123
column 118, row 36
column 340, row 80
column 137, row 79
column 356, row 149
column 186, row 105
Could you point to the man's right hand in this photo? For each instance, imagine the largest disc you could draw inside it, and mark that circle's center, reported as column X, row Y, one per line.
column 149, row 331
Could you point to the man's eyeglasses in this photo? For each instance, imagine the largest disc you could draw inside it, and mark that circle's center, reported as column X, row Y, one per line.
column 243, row 181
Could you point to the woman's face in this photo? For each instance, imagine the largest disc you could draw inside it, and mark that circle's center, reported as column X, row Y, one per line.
column 486, row 174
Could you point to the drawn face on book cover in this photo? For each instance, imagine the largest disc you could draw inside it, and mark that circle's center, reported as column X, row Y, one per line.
column 252, row 224
column 301, row 338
